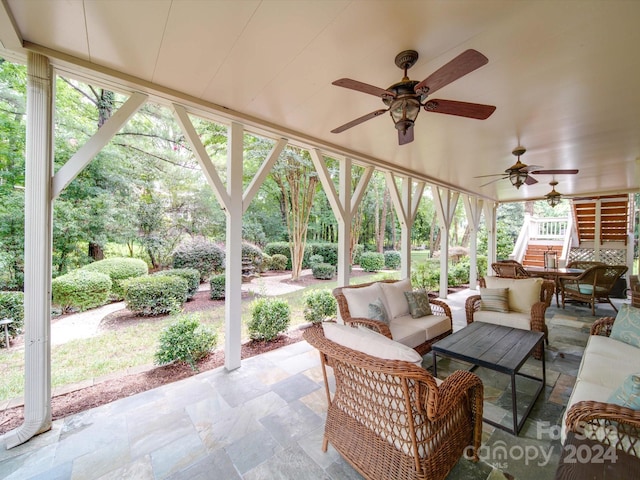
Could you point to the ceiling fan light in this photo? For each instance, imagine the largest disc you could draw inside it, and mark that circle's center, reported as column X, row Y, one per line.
column 553, row 197
column 404, row 112
column 517, row 178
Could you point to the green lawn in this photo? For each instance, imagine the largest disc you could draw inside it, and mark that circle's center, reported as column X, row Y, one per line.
column 115, row 351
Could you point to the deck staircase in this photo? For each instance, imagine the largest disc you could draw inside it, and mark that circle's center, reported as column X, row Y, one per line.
column 534, row 255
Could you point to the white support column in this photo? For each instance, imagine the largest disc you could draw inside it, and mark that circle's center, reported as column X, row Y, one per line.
column 406, row 206
column 490, row 215
column 344, row 205
column 233, row 257
column 344, row 223
column 473, row 209
column 37, row 251
column 445, row 202
column 96, row 143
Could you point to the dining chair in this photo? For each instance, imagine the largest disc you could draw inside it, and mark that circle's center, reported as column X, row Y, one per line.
column 593, row 285
column 509, row 269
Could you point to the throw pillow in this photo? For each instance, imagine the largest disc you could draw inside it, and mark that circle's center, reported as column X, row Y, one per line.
column 523, row 292
column 372, row 343
column 626, row 326
column 627, row 394
column 395, row 300
column 494, row 299
column 418, row 303
column 378, row 312
column 358, row 299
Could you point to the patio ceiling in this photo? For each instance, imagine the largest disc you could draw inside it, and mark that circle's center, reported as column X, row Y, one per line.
column 564, row 75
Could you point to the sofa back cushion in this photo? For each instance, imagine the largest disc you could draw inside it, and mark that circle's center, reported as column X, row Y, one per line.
column 372, row 343
column 523, row 292
column 358, row 299
column 397, row 304
column 626, row 326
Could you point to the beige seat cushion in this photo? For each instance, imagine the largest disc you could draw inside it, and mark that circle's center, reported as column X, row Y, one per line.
column 511, row 319
column 372, row 343
column 523, row 292
column 415, row 331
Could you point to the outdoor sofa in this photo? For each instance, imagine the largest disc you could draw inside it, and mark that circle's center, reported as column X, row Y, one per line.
column 389, row 417
column 605, row 401
column 383, row 307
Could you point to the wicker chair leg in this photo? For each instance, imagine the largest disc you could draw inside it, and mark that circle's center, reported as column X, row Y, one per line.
column 325, row 443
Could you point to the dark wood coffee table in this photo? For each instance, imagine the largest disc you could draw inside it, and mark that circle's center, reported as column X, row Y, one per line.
column 498, row 348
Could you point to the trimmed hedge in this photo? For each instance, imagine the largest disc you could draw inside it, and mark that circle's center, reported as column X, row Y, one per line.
column 203, row 255
column 278, row 262
column 357, row 252
column 319, row 305
column 314, row 259
column 185, row 341
column 328, row 251
column 372, row 261
column 191, row 275
column 392, row 259
column 323, row 271
column 12, row 306
column 269, row 317
column 218, row 283
column 155, row 295
column 81, row 289
column 119, row 269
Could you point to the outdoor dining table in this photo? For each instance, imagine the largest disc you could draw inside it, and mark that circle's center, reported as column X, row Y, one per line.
column 554, row 274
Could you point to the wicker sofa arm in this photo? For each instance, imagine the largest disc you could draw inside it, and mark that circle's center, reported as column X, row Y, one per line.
column 602, row 326
column 375, row 325
column 438, row 307
column 625, row 422
column 537, row 317
column 471, row 306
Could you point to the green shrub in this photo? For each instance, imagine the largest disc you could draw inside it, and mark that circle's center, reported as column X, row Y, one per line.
column 266, row 263
column 323, row 271
column 155, row 295
column 372, row 261
column 185, row 341
column 119, row 269
column 459, row 273
column 314, row 259
column 80, row 289
column 392, row 259
column 218, row 283
column 328, row 251
column 319, row 305
column 12, row 306
column 203, row 255
column 269, row 318
column 278, row 262
column 357, row 252
column 426, row 275
column 279, row 248
column 191, row 275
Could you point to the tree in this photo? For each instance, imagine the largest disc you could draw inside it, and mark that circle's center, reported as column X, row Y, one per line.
column 298, row 182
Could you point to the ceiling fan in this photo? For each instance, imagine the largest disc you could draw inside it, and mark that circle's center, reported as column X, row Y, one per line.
column 519, row 173
column 405, row 98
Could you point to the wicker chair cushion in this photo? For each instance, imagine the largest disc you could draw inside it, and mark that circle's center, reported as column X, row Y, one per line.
column 370, row 342
column 418, row 301
column 377, row 311
column 510, row 319
column 523, row 292
column 585, row 289
column 359, row 299
column 394, row 295
column 626, row 327
column 494, row 299
column 628, row 394
column 415, row 331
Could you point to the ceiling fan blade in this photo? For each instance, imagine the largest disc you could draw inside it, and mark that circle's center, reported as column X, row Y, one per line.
column 464, row 63
column 492, row 181
column 492, row 175
column 363, row 87
column 358, row 121
column 461, row 109
column 530, row 180
column 555, row 172
column 406, row 137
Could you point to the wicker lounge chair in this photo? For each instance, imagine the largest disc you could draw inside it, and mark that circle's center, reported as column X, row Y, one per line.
column 509, row 269
column 535, row 320
column 593, row 285
column 390, row 420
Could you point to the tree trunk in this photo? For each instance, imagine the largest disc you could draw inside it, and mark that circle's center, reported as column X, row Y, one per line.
column 383, row 222
column 434, row 234
column 95, row 251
